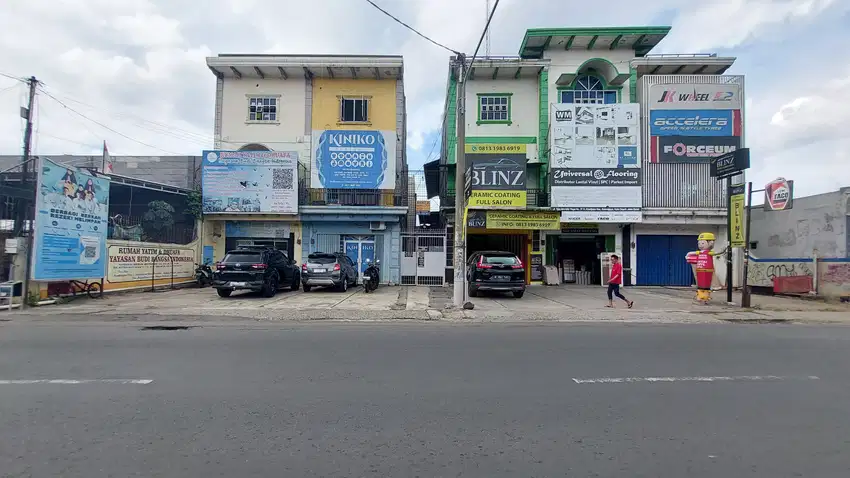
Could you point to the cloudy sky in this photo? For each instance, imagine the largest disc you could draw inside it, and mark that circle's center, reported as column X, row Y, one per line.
column 136, row 68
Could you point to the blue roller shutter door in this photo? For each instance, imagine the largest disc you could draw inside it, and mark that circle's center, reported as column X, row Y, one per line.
column 661, row 260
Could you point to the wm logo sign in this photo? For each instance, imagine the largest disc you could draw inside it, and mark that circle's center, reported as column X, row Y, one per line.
column 564, row 115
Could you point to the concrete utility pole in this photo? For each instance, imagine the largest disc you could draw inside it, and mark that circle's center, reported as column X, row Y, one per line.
column 460, row 187
column 23, row 213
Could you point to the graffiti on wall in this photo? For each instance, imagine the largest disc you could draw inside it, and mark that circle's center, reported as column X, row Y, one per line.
column 837, row 274
column 761, row 274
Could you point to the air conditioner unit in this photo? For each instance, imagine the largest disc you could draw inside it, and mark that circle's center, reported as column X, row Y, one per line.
column 377, row 226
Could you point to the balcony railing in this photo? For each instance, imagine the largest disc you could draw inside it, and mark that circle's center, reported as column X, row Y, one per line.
column 534, row 198
column 350, row 197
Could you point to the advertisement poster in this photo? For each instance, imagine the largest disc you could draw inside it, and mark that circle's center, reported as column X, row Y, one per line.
column 736, row 215
column 496, row 180
column 595, row 160
column 693, row 149
column 135, row 263
column 681, row 96
column 236, row 182
column 353, row 159
column 779, row 195
column 71, row 224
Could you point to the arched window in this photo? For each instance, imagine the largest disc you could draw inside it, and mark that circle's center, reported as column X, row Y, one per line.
column 254, row 147
column 588, row 89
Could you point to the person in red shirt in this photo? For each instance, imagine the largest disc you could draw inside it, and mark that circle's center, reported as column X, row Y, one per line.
column 615, row 281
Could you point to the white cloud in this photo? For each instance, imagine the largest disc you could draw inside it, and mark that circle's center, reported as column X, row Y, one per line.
column 137, row 66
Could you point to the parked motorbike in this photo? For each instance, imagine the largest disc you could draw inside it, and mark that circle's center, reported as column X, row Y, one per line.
column 371, row 276
column 203, row 275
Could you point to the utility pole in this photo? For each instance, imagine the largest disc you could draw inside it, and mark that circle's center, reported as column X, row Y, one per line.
column 729, row 275
column 23, row 212
column 460, row 188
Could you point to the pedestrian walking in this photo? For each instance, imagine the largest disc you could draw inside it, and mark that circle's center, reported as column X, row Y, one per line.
column 614, row 282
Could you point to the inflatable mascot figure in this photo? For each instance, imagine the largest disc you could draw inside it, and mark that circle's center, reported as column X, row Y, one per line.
column 703, row 259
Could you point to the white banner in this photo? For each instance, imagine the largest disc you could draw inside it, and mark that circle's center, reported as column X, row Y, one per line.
column 595, row 162
column 695, row 97
column 135, row 263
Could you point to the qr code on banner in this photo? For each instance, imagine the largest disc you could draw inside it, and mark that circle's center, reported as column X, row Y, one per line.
column 90, row 252
column 282, row 179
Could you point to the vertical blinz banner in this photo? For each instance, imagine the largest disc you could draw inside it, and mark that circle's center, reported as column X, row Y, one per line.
column 497, row 180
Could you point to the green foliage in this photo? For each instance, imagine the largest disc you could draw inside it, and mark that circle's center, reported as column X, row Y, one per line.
column 158, row 221
column 194, row 204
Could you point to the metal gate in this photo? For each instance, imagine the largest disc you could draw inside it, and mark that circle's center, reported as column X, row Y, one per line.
column 423, row 258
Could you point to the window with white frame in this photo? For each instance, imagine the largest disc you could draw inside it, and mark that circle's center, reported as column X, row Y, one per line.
column 262, row 108
column 588, row 89
column 354, row 109
column 495, row 108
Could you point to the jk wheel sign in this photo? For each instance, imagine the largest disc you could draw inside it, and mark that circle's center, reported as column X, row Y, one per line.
column 779, row 195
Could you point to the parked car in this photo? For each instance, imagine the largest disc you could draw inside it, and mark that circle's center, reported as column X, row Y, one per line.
column 328, row 269
column 495, row 271
column 263, row 270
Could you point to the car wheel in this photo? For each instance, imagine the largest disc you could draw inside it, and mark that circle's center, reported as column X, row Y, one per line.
column 473, row 292
column 343, row 286
column 224, row 292
column 518, row 294
column 270, row 286
column 307, row 288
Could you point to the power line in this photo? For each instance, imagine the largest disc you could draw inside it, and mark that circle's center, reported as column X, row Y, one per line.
column 412, row 29
column 104, row 126
column 12, row 77
column 93, row 146
column 483, row 34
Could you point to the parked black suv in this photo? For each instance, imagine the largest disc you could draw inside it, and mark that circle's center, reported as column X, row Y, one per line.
column 263, row 270
column 330, row 269
column 495, row 271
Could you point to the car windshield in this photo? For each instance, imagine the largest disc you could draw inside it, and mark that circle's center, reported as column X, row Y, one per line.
column 507, row 260
column 322, row 258
column 252, row 257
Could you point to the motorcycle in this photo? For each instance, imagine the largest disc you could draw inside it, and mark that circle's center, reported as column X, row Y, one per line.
column 203, row 275
column 371, row 275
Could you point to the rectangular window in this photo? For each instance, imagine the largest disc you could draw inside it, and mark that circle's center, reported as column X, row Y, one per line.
column 354, row 110
column 262, row 108
column 494, row 108
column 594, row 97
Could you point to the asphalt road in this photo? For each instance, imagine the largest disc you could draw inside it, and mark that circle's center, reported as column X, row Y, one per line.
column 426, row 399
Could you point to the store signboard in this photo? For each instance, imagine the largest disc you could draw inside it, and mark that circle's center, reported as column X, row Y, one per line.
column 259, row 182
column 779, row 195
column 692, row 149
column 736, row 215
column 595, row 160
column 516, row 220
column 71, row 223
column 497, row 180
column 130, row 263
column 682, row 96
column 353, row 159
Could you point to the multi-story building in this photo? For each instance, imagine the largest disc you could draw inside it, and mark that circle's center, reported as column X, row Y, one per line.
column 615, row 140
column 311, row 156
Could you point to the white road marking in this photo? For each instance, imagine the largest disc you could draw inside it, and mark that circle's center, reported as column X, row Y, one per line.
column 62, row 381
column 738, row 378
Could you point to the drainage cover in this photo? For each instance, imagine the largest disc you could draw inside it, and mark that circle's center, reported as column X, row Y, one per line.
column 167, row 327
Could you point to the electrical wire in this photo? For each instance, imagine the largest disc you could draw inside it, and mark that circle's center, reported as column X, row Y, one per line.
column 103, row 125
column 413, row 29
column 481, row 40
column 93, row 146
column 12, row 77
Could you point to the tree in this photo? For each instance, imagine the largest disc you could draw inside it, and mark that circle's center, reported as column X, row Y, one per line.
column 158, row 221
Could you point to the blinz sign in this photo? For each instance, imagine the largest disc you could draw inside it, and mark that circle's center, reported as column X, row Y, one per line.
column 497, row 180
column 730, row 164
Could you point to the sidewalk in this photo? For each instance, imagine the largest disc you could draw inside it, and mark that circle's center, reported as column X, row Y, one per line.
column 540, row 303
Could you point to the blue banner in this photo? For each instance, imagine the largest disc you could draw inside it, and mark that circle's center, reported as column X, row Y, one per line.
column 354, row 160
column 250, row 182
column 691, row 123
column 71, row 224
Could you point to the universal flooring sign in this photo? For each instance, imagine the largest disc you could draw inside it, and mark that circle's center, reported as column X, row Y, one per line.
column 595, row 175
column 497, row 180
column 353, row 159
column 250, row 182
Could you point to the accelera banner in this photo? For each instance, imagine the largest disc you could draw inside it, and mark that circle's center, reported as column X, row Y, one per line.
column 250, row 182
column 695, row 123
column 71, row 224
column 136, row 263
column 692, row 149
column 695, row 96
column 595, row 175
column 497, row 180
column 353, row 159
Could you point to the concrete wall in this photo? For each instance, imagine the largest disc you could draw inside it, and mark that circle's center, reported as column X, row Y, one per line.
column 831, row 276
column 236, row 130
column 524, row 109
column 815, row 223
column 563, row 61
column 178, row 171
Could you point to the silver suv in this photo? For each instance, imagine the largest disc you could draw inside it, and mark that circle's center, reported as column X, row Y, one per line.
column 328, row 269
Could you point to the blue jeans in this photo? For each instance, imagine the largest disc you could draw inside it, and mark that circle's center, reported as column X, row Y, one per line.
column 614, row 289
